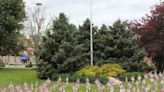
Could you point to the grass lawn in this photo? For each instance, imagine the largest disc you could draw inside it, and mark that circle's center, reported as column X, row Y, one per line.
column 19, row 76
column 16, row 76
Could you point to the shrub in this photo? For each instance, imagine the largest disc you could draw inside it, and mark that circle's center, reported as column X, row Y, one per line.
column 77, row 75
column 111, row 69
column 137, row 67
column 92, row 79
column 108, row 70
column 29, row 65
column 147, row 68
column 1, row 64
column 129, row 75
column 91, row 70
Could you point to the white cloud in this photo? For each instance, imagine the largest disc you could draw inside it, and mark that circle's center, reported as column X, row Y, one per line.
column 104, row 11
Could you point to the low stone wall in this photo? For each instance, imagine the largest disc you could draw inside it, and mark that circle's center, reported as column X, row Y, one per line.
column 15, row 66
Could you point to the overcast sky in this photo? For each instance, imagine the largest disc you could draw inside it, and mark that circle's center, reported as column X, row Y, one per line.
column 104, row 11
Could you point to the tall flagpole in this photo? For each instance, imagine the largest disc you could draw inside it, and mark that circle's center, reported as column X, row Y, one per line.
column 91, row 35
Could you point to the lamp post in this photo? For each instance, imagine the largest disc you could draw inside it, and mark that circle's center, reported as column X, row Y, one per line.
column 38, row 18
column 91, row 35
column 38, row 4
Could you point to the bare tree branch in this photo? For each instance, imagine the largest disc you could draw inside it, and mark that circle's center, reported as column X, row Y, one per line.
column 36, row 24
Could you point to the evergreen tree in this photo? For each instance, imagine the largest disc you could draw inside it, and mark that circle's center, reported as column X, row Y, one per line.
column 101, row 39
column 60, row 51
column 83, row 40
column 116, row 45
column 12, row 13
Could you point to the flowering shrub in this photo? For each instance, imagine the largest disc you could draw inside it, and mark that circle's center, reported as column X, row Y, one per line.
column 105, row 70
column 91, row 70
column 111, row 69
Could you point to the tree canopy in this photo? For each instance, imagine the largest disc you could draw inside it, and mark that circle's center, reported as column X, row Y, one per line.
column 59, row 51
column 116, row 45
column 12, row 13
column 149, row 33
column 66, row 48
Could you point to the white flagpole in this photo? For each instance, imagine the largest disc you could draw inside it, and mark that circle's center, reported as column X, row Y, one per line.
column 91, row 34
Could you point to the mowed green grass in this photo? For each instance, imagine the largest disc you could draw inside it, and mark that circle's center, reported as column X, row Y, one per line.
column 19, row 76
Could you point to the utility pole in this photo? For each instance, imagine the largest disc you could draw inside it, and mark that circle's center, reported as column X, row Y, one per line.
column 91, row 34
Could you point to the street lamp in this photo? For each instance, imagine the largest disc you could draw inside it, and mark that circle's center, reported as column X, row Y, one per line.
column 91, row 35
column 38, row 4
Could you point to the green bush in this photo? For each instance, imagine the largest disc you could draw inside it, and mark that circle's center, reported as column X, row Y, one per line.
column 136, row 67
column 77, row 75
column 108, row 70
column 148, row 68
column 29, row 65
column 2, row 64
column 92, row 79
column 129, row 75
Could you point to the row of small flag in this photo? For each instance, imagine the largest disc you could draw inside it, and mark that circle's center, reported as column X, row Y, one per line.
column 151, row 82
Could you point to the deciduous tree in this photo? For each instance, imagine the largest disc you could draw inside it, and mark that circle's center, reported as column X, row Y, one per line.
column 149, row 33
